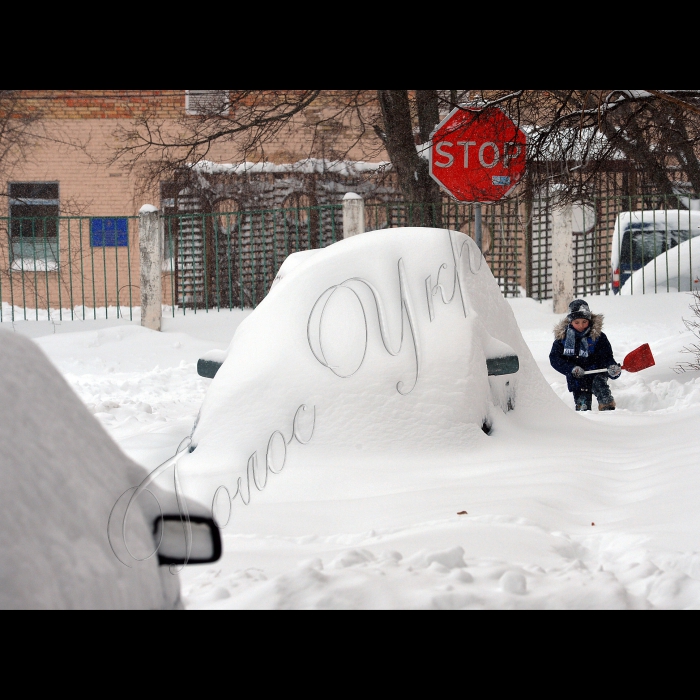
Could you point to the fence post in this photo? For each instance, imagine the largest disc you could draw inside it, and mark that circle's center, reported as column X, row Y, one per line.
column 151, row 257
column 562, row 257
column 353, row 215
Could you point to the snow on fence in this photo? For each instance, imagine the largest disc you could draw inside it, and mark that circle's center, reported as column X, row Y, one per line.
column 78, row 267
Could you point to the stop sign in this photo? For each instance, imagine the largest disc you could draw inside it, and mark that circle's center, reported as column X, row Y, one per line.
column 477, row 155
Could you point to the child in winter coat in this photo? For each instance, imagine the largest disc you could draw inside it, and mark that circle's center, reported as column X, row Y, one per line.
column 580, row 345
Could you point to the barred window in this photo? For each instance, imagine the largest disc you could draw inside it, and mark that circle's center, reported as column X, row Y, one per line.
column 206, row 101
column 34, row 225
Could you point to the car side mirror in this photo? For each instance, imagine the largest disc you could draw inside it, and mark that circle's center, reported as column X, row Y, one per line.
column 207, row 368
column 503, row 365
column 170, row 533
column 208, row 365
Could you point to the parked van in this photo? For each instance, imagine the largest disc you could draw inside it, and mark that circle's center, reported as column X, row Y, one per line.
column 641, row 236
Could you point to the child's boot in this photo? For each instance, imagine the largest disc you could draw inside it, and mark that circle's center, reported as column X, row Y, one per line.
column 602, row 392
column 583, row 402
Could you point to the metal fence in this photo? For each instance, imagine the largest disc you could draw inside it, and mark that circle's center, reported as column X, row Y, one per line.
column 504, row 227
column 68, row 267
column 230, row 259
column 88, row 267
column 623, row 244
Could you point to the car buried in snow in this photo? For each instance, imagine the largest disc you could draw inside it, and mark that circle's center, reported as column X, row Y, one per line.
column 395, row 341
column 81, row 524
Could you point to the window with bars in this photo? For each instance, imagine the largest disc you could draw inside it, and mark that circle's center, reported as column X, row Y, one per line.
column 34, row 209
column 206, row 102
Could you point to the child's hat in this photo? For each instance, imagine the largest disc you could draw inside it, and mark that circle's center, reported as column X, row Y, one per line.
column 579, row 309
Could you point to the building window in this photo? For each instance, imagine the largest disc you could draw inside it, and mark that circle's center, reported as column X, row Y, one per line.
column 34, row 225
column 109, row 232
column 169, row 223
column 206, row 101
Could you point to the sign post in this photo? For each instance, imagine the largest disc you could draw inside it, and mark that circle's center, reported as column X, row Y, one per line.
column 477, row 224
column 477, row 155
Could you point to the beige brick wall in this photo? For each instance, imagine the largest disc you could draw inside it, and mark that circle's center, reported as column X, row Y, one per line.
column 102, row 104
column 75, row 154
column 77, row 138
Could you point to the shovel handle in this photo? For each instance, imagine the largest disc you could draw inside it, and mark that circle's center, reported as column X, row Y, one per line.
column 597, row 371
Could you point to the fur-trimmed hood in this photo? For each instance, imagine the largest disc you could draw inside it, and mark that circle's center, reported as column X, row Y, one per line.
column 596, row 327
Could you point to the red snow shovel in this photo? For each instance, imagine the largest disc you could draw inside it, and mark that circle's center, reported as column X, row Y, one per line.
column 636, row 361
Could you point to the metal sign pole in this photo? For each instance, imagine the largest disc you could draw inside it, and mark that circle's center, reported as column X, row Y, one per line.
column 477, row 223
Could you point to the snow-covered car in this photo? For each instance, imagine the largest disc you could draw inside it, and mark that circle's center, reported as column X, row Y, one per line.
column 641, row 237
column 676, row 270
column 65, row 542
column 390, row 346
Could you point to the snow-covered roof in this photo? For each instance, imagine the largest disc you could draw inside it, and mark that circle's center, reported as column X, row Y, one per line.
column 306, row 166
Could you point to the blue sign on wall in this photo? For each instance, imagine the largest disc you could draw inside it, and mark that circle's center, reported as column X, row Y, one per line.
column 109, row 232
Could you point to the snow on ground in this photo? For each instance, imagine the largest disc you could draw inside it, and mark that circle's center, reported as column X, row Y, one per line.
column 603, row 516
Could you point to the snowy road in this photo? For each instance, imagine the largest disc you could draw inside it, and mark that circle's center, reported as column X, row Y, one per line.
column 388, row 533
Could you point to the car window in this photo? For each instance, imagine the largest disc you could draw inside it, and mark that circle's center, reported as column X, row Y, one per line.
column 646, row 244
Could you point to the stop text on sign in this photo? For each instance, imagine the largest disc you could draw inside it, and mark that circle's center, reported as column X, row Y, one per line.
column 477, row 155
column 489, row 153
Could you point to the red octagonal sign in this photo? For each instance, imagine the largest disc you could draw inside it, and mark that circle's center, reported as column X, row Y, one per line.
column 477, row 155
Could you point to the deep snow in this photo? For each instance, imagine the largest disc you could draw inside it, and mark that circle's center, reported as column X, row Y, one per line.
column 512, row 526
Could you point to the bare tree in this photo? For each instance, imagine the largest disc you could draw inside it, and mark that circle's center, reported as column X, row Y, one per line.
column 693, row 325
column 243, row 121
column 573, row 135
column 19, row 131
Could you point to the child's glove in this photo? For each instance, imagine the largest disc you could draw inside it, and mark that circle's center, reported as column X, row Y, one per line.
column 578, row 372
column 614, row 371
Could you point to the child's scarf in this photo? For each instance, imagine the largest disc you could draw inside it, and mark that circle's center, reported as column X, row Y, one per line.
column 570, row 342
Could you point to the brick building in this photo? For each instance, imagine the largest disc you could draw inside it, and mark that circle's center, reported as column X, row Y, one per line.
column 69, row 220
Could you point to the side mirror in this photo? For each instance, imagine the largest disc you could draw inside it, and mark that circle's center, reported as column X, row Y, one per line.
column 170, row 533
column 207, row 368
column 503, row 365
column 209, row 363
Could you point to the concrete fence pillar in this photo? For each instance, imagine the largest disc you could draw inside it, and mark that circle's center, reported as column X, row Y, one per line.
column 353, row 215
column 562, row 257
column 151, row 255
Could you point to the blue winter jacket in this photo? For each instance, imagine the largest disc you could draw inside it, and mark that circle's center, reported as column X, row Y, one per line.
column 600, row 354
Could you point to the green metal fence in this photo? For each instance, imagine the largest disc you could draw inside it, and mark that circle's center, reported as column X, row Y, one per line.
column 68, row 267
column 81, row 267
column 230, row 259
column 504, row 227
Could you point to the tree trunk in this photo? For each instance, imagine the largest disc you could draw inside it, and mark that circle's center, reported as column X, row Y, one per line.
column 412, row 171
column 428, row 112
